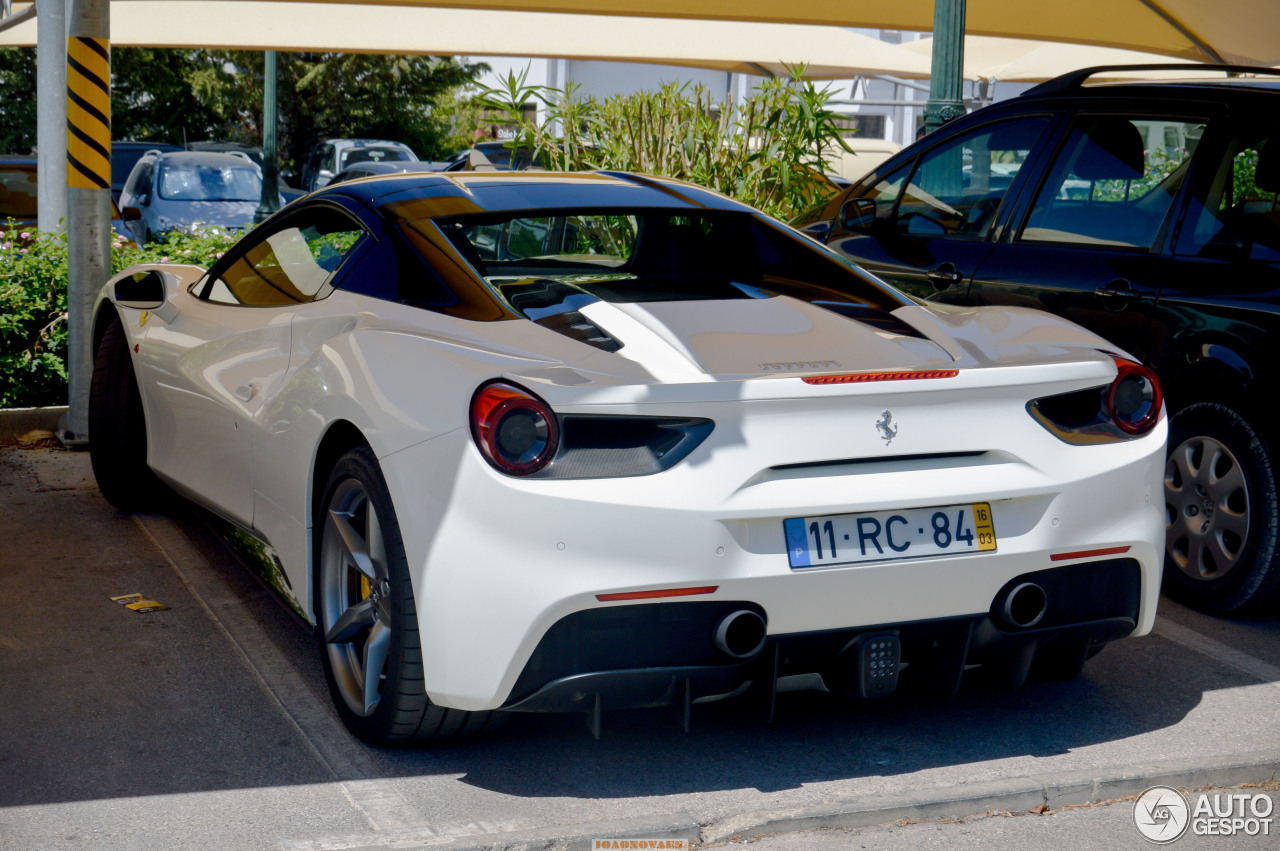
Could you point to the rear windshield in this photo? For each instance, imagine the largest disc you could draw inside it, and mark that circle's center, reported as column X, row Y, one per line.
column 210, row 183
column 375, row 155
column 655, row 255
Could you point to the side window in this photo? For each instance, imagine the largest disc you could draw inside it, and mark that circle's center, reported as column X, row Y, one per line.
column 1114, row 182
column 291, row 265
column 884, row 195
column 959, row 186
column 1239, row 217
column 142, row 184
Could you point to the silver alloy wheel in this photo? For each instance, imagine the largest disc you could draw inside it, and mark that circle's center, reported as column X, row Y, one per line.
column 355, row 597
column 1207, row 500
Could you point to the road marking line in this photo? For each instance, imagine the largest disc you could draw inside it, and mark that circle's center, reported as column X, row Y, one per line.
column 381, row 804
column 1215, row 649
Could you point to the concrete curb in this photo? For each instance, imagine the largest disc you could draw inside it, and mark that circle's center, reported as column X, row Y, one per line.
column 1080, row 787
column 15, row 422
column 1012, row 795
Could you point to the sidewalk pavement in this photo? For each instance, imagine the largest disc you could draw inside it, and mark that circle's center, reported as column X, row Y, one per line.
column 207, row 724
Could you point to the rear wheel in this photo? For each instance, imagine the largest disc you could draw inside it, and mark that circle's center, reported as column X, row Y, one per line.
column 366, row 618
column 118, row 427
column 1222, row 512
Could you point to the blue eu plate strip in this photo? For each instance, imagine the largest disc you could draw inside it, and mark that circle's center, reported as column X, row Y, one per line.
column 797, row 542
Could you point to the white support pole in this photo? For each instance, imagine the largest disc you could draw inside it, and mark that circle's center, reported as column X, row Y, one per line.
column 88, row 152
column 51, row 113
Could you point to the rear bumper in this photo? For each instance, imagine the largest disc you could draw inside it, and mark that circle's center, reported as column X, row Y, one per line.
column 497, row 561
column 663, row 654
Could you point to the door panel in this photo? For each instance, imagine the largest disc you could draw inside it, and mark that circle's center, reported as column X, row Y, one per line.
column 207, row 375
column 1110, row 293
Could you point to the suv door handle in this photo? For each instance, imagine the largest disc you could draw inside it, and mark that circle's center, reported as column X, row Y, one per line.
column 1118, row 294
column 944, row 276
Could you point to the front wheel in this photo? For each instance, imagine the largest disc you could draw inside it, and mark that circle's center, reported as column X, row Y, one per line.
column 366, row 618
column 118, row 427
column 1222, row 512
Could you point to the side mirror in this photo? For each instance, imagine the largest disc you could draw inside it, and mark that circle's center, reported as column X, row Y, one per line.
column 817, row 230
column 130, row 214
column 858, row 214
column 326, row 174
column 139, row 291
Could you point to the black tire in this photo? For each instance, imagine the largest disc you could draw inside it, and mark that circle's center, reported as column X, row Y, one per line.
column 395, row 710
column 118, row 427
column 1223, row 513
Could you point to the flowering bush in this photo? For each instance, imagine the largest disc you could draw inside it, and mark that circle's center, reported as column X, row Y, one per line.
column 33, row 303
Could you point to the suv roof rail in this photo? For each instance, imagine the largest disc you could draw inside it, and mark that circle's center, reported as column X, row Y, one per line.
column 150, row 151
column 1076, row 79
column 241, row 154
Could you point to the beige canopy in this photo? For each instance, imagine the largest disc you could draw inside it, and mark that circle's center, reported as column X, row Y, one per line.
column 1239, row 31
column 747, row 48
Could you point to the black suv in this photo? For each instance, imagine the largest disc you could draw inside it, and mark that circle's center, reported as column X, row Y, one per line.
column 1148, row 213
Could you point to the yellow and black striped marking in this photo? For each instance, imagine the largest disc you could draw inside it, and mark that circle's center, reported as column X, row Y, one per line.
column 88, row 113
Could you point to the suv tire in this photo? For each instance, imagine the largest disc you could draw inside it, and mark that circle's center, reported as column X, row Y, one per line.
column 1223, row 512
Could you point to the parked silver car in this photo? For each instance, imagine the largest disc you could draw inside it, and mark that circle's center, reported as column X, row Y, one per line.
column 190, row 190
column 331, row 156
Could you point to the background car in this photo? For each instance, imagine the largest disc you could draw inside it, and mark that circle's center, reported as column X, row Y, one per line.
column 19, row 198
column 125, row 155
column 498, row 156
column 378, row 169
column 186, row 190
column 331, row 156
column 253, row 152
column 1146, row 212
column 566, row 443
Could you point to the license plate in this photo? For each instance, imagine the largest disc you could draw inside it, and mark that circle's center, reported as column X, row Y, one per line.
column 888, row 535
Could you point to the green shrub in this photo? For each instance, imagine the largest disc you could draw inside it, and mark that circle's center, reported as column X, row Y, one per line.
column 33, row 303
column 766, row 151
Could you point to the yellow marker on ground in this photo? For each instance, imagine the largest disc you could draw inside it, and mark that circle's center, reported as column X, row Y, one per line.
column 139, row 603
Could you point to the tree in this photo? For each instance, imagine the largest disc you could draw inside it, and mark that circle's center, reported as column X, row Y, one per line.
column 175, row 95
column 152, row 98
column 344, row 95
column 18, row 105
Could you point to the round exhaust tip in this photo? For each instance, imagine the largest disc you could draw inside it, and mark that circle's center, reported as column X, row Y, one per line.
column 1025, row 605
column 740, row 634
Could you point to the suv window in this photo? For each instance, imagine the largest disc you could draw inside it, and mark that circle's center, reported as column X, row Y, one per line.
column 959, row 186
column 1240, row 216
column 290, row 265
column 1113, row 182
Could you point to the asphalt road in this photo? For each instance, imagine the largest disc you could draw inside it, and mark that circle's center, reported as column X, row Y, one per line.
column 208, row 724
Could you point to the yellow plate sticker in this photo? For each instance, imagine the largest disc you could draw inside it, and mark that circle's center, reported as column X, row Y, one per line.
column 983, row 526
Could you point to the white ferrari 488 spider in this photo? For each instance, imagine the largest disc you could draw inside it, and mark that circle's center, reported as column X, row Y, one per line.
column 543, row 442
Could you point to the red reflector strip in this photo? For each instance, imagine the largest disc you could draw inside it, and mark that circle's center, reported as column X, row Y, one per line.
column 1109, row 551
column 863, row 377
column 653, row 595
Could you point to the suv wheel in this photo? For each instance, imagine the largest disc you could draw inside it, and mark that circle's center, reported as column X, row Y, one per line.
column 1222, row 512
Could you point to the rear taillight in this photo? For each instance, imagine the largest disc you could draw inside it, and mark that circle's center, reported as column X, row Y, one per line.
column 1134, row 399
column 1128, row 407
column 516, row 432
